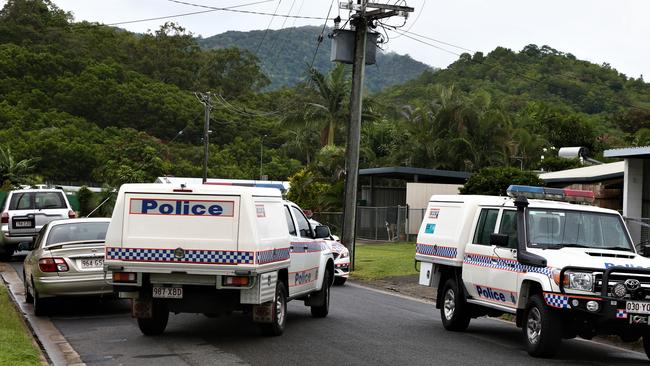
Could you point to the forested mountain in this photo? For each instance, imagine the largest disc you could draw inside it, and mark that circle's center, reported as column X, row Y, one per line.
column 285, row 56
column 84, row 102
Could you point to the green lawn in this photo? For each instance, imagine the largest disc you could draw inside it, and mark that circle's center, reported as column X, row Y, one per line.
column 375, row 261
column 16, row 344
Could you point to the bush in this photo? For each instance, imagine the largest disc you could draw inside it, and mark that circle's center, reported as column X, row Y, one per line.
column 495, row 181
column 86, row 201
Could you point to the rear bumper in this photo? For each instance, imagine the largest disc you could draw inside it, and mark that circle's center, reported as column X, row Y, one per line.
column 77, row 285
column 8, row 239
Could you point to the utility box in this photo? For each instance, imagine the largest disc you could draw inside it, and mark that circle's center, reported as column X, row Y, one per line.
column 343, row 46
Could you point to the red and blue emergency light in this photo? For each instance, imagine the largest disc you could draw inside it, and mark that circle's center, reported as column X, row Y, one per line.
column 553, row 194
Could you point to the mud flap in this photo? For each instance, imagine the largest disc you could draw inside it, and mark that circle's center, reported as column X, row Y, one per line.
column 263, row 313
column 142, row 308
column 316, row 298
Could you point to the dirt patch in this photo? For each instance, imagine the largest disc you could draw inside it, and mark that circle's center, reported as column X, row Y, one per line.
column 408, row 285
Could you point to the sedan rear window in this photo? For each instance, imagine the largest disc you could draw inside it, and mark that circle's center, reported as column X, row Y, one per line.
column 37, row 200
column 77, row 232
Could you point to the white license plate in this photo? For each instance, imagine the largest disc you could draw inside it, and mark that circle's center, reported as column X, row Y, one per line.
column 23, row 223
column 92, row 263
column 637, row 307
column 167, row 292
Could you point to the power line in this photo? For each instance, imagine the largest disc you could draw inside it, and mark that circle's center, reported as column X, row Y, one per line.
column 248, row 11
column 230, row 8
column 284, row 22
column 266, row 31
column 320, row 36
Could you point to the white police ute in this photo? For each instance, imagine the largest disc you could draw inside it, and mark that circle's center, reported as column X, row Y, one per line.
column 563, row 269
column 215, row 249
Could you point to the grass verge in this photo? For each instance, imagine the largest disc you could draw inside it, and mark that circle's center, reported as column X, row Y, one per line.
column 375, row 261
column 16, row 343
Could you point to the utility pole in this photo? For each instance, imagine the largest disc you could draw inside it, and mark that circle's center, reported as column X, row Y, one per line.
column 360, row 20
column 205, row 99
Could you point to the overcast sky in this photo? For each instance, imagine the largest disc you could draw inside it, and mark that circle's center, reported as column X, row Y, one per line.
column 596, row 30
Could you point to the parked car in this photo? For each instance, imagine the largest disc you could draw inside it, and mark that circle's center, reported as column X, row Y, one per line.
column 341, row 256
column 66, row 259
column 25, row 212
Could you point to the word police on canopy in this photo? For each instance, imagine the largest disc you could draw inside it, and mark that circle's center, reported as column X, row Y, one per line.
column 152, row 206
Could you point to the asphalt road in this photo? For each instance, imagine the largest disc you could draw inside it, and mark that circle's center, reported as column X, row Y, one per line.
column 364, row 327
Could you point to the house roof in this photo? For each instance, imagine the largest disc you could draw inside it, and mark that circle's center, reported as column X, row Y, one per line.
column 586, row 174
column 417, row 174
column 628, row 152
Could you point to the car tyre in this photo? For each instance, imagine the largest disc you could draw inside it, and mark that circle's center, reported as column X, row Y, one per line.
column 454, row 311
column 646, row 344
column 158, row 322
column 28, row 296
column 542, row 328
column 276, row 327
column 41, row 305
column 321, row 311
column 6, row 253
column 340, row 281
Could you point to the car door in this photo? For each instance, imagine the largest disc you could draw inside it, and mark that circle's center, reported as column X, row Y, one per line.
column 479, row 256
column 21, row 214
column 303, row 271
column 503, row 276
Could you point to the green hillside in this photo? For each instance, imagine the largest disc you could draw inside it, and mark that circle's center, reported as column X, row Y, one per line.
column 87, row 103
column 286, row 54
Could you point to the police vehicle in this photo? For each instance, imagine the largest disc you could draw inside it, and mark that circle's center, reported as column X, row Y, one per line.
column 215, row 249
column 341, row 256
column 563, row 269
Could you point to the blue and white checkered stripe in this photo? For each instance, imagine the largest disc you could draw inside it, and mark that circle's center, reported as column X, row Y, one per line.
column 436, row 250
column 191, row 256
column 504, row 264
column 274, row 255
column 621, row 314
column 557, row 300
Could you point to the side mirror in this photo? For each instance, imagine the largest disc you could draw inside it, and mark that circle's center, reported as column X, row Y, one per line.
column 322, row 232
column 644, row 250
column 500, row 240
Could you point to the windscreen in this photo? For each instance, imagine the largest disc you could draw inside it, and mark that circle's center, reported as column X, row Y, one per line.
column 36, row 200
column 77, row 232
column 582, row 229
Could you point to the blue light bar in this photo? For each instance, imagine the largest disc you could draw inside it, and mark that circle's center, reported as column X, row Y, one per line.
column 527, row 191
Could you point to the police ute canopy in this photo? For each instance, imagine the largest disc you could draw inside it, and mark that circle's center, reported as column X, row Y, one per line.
column 215, row 249
column 563, row 269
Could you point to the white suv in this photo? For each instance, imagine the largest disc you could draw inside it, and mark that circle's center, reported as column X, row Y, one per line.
column 25, row 211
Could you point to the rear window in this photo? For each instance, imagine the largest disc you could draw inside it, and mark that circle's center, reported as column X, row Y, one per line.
column 37, row 200
column 78, row 231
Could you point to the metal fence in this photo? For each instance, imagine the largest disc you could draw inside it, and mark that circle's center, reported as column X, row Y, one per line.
column 393, row 223
column 639, row 230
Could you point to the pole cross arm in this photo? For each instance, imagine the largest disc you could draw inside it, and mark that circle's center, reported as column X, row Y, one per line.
column 391, row 7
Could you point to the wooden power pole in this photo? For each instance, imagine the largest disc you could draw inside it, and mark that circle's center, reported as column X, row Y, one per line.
column 366, row 14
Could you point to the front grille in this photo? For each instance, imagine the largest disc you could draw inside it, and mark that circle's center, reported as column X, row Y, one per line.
column 642, row 293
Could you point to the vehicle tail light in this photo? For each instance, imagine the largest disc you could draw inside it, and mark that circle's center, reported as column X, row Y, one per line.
column 52, row 265
column 72, row 214
column 4, row 218
column 124, row 277
column 236, row 281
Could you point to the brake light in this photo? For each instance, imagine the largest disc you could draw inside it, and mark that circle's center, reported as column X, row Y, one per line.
column 236, row 280
column 52, row 265
column 4, row 218
column 124, row 277
column 72, row 214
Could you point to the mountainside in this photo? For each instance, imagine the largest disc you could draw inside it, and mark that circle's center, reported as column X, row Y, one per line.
column 286, row 54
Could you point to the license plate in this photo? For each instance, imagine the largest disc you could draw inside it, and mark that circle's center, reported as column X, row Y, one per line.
column 23, row 223
column 637, row 307
column 167, row 292
column 92, row 263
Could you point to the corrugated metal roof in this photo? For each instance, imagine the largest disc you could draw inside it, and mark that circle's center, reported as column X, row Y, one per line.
column 586, row 174
column 640, row 151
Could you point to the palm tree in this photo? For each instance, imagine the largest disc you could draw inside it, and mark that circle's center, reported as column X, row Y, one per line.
column 332, row 92
column 12, row 171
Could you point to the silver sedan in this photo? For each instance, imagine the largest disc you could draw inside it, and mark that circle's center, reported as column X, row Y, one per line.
column 66, row 259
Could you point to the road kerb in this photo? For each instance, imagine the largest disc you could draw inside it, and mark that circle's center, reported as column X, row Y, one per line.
column 56, row 348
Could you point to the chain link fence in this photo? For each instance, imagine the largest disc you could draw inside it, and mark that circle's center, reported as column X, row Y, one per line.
column 393, row 223
column 639, row 230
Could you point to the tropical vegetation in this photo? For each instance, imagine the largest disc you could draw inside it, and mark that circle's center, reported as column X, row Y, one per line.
column 91, row 104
